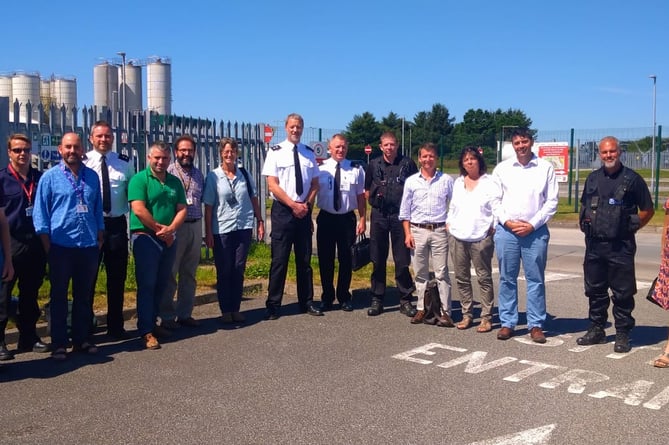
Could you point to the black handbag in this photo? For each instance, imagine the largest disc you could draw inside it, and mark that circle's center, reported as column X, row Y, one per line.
column 360, row 252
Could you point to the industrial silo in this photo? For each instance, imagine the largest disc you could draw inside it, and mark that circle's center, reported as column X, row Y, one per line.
column 159, row 86
column 6, row 88
column 105, row 86
column 45, row 96
column 133, row 93
column 64, row 92
column 26, row 88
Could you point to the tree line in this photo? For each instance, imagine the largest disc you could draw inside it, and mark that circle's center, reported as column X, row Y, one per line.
column 479, row 128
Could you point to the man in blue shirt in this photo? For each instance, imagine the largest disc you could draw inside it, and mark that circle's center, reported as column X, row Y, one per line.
column 68, row 219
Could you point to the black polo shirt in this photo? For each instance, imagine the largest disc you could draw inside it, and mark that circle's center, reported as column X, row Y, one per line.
column 14, row 199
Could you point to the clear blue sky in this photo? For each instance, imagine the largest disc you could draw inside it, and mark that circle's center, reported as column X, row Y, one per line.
column 581, row 64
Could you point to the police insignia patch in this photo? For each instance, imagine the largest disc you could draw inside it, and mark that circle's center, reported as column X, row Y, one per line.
column 275, row 147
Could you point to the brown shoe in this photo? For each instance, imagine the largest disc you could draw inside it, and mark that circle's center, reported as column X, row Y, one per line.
column 504, row 334
column 150, row 342
column 537, row 335
column 465, row 323
column 445, row 321
column 418, row 318
column 484, row 326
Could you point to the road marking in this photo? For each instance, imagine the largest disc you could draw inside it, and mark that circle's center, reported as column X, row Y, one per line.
column 534, row 436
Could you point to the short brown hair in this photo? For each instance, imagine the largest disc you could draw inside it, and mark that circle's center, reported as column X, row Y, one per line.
column 17, row 137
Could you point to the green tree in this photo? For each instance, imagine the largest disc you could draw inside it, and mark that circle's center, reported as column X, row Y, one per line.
column 432, row 126
column 362, row 130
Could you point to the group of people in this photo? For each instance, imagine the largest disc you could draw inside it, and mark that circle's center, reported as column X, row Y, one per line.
column 73, row 218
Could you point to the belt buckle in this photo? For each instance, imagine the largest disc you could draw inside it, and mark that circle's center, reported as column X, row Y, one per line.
column 430, row 227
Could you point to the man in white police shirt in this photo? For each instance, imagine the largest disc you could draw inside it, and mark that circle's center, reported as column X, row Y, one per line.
column 292, row 179
column 341, row 190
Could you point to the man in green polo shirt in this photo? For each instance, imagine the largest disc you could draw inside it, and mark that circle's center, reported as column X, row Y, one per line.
column 157, row 209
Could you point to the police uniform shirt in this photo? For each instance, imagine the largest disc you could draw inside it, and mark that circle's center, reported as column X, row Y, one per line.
column 637, row 196
column 120, row 172
column 393, row 175
column 351, row 184
column 280, row 164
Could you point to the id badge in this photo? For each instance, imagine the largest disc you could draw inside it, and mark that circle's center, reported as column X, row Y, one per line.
column 82, row 208
column 189, row 201
column 29, row 211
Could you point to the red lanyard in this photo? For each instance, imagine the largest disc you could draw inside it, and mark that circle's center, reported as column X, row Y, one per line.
column 29, row 193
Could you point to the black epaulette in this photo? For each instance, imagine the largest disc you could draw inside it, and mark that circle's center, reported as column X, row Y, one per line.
column 84, row 157
column 309, row 148
column 123, row 157
column 276, row 147
column 356, row 164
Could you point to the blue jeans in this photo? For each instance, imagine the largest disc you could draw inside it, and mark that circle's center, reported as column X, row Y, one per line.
column 79, row 264
column 532, row 250
column 230, row 253
column 153, row 268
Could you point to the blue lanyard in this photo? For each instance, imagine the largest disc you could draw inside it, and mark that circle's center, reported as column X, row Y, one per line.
column 77, row 185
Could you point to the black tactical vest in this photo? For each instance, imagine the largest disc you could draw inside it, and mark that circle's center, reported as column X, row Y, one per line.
column 604, row 217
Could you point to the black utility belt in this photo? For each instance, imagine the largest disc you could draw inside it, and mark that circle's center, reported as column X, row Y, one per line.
column 429, row 226
column 336, row 214
column 190, row 221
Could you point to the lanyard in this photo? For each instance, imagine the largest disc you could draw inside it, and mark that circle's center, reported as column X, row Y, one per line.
column 190, row 178
column 78, row 189
column 29, row 178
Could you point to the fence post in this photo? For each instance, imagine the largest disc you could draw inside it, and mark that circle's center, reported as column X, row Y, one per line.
column 658, row 148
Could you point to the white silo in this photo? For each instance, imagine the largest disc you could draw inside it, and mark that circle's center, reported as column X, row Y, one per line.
column 105, row 86
column 6, row 88
column 26, row 88
column 45, row 96
column 159, row 86
column 133, row 93
column 64, row 92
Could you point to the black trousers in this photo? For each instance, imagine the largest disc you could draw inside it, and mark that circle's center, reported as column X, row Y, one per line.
column 383, row 226
column 610, row 265
column 29, row 262
column 289, row 232
column 114, row 256
column 335, row 233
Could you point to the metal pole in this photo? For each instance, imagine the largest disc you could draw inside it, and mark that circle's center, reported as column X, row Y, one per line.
column 652, row 153
column 122, row 54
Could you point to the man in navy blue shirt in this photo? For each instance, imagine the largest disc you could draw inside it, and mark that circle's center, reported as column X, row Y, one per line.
column 18, row 186
column 68, row 219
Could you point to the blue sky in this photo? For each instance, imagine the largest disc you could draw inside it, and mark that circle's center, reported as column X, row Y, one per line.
column 568, row 64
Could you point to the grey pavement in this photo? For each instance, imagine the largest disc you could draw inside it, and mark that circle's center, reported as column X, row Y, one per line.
column 347, row 378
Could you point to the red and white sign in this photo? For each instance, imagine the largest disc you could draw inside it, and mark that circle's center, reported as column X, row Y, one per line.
column 368, row 149
column 269, row 134
column 557, row 153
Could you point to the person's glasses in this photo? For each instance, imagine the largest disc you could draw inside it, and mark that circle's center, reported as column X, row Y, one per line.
column 20, row 150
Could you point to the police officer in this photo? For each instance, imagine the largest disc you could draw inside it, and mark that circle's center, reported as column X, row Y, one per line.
column 384, row 183
column 615, row 204
column 114, row 171
column 292, row 179
column 341, row 190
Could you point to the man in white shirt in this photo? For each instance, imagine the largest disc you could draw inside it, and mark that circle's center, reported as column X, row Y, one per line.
column 341, row 191
column 529, row 191
column 423, row 214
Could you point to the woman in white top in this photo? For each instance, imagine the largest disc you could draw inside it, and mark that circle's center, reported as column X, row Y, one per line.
column 470, row 224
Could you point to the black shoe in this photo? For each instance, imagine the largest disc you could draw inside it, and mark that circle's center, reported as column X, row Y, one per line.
column 4, row 353
column 118, row 335
column 272, row 314
column 375, row 309
column 622, row 343
column 37, row 346
column 407, row 309
column 347, row 306
column 311, row 309
column 326, row 306
column 594, row 336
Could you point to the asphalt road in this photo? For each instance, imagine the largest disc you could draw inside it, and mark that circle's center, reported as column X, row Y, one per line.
column 346, row 378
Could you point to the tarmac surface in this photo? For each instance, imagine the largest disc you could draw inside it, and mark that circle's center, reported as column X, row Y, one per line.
column 348, row 378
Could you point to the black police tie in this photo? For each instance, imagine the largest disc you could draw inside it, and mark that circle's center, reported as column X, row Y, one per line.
column 106, row 189
column 336, row 194
column 299, row 187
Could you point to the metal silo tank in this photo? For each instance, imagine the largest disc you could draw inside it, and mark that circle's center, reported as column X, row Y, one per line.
column 26, row 88
column 64, row 92
column 6, row 88
column 159, row 86
column 133, row 93
column 45, row 95
column 105, row 86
